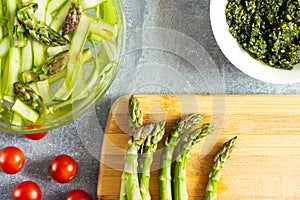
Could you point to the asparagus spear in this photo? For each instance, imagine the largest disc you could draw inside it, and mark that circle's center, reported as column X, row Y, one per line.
column 149, row 148
column 11, row 8
column 192, row 138
column 33, row 100
column 171, row 141
column 135, row 113
column 219, row 162
column 19, row 38
column 123, row 192
column 73, row 17
column 131, row 162
column 48, row 70
column 135, row 117
column 37, row 29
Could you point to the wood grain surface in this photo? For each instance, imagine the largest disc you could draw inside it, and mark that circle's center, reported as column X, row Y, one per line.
column 264, row 165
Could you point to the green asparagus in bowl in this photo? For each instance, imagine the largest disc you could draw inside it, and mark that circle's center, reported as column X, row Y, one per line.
column 57, row 58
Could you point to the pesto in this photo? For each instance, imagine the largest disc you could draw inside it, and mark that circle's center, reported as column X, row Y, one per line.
column 267, row 29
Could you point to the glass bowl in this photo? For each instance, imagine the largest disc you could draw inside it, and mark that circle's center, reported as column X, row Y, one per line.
column 103, row 65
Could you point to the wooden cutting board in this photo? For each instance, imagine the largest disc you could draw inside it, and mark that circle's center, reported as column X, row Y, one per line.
column 264, row 165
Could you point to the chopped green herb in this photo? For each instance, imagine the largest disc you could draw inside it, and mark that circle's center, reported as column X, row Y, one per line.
column 268, row 30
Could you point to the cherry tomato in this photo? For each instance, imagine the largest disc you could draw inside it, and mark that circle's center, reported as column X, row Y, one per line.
column 77, row 195
column 63, row 168
column 27, row 190
column 12, row 160
column 36, row 136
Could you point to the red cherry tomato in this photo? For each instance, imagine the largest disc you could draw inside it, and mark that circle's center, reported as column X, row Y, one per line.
column 77, row 195
column 63, row 168
column 36, row 136
column 27, row 190
column 11, row 160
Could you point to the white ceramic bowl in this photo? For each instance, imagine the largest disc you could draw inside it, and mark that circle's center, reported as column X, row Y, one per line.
column 239, row 57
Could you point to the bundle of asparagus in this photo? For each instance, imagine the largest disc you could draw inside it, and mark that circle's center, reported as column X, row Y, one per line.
column 144, row 139
column 142, row 145
column 165, row 177
column 131, row 163
column 192, row 138
column 135, row 120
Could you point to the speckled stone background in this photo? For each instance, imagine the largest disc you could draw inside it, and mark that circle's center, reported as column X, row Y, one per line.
column 145, row 68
